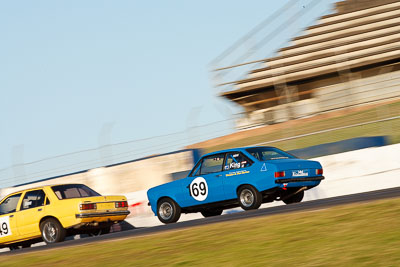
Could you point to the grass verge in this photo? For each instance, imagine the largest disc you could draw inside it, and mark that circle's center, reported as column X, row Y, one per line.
column 366, row 234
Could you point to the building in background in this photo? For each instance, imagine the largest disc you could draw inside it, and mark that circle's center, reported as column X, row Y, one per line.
column 349, row 57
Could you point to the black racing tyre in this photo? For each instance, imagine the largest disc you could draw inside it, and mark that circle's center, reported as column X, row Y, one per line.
column 210, row 213
column 168, row 211
column 52, row 231
column 105, row 230
column 15, row 247
column 293, row 199
column 249, row 198
column 100, row 231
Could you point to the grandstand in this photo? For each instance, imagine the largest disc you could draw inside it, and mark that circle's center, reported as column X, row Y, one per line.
column 347, row 58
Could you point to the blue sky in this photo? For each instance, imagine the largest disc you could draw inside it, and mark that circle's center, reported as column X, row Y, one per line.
column 67, row 68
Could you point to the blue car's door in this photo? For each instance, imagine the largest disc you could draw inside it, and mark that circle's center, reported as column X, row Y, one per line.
column 206, row 183
column 237, row 171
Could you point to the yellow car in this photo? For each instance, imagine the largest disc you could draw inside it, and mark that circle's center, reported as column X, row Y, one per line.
column 50, row 213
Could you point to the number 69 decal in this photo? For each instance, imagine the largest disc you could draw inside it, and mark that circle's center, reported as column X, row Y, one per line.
column 198, row 189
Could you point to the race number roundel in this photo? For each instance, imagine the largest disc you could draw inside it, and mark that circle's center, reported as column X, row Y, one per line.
column 5, row 229
column 199, row 189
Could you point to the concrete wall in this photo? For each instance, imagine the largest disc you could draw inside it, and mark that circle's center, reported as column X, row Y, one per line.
column 358, row 171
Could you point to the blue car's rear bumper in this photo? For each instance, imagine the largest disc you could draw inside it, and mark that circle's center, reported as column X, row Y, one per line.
column 297, row 180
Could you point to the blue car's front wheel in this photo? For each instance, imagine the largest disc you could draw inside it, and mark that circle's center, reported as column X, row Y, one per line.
column 168, row 211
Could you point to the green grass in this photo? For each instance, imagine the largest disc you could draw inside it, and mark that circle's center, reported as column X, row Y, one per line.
column 366, row 234
column 290, row 129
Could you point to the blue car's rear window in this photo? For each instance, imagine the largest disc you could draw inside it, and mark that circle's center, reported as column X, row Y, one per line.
column 268, row 153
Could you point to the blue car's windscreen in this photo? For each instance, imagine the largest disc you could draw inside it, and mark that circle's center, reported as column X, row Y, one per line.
column 269, row 153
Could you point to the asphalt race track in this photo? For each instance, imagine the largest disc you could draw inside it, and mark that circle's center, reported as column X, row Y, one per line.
column 304, row 206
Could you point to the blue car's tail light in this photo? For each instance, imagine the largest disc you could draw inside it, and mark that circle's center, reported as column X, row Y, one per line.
column 279, row 174
column 319, row 171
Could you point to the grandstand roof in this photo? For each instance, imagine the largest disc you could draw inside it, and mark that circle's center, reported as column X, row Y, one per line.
column 358, row 34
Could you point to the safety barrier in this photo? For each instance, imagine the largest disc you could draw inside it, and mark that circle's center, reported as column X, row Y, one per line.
column 341, row 146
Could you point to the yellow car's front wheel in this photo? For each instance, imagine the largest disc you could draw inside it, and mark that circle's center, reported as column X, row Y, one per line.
column 52, row 231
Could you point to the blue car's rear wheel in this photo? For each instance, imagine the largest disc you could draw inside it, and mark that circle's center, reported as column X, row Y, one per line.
column 249, row 198
column 293, row 198
column 168, row 211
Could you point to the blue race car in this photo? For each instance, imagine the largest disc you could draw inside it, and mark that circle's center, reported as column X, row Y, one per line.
column 245, row 177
